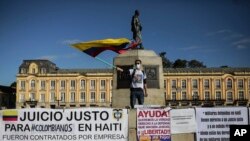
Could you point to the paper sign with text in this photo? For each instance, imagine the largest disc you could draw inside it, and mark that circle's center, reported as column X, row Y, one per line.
column 88, row 124
column 182, row 121
column 153, row 124
column 213, row 123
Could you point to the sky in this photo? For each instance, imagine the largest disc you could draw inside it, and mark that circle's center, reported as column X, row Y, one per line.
column 215, row 32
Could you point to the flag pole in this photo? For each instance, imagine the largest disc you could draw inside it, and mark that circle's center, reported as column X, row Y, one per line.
column 105, row 62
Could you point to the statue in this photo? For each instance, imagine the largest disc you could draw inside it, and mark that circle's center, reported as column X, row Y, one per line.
column 136, row 29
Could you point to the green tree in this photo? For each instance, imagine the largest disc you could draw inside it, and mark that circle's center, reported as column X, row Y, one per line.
column 13, row 84
column 224, row 66
column 196, row 64
column 166, row 63
column 179, row 63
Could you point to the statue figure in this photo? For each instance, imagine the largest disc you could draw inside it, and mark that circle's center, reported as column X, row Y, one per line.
column 136, row 29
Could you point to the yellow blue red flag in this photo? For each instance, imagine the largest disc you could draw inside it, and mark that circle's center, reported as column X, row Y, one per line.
column 93, row 48
column 10, row 115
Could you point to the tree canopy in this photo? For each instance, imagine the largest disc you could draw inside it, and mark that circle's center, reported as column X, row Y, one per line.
column 165, row 61
column 180, row 63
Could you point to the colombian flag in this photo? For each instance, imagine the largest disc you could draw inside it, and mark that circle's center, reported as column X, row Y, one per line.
column 93, row 48
column 10, row 115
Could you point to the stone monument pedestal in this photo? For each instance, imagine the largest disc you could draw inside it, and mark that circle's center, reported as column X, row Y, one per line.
column 152, row 66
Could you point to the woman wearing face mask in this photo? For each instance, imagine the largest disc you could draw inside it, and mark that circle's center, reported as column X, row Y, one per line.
column 138, row 86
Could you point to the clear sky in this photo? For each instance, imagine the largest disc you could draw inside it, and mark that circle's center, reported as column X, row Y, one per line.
column 216, row 32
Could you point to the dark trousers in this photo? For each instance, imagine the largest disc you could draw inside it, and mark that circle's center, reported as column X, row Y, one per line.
column 136, row 94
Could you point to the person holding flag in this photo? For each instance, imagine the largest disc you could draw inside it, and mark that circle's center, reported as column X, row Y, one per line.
column 138, row 84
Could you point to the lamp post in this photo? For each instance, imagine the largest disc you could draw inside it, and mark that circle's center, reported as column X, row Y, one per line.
column 58, row 100
column 31, row 102
column 195, row 99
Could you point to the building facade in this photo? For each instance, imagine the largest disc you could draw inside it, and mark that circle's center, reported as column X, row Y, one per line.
column 41, row 84
column 207, row 86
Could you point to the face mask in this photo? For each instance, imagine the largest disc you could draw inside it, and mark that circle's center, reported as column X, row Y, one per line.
column 138, row 66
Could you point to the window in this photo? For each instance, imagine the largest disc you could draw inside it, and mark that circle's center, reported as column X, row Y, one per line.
column 184, row 95
column 249, row 83
column 173, row 96
column 22, row 85
column 42, row 85
column 206, row 83
column 62, row 97
column 52, row 97
column 207, row 95
column 33, row 70
column 22, row 98
column 165, row 83
column 217, row 95
column 240, row 83
column 82, row 84
column 229, row 96
column 23, row 71
column 195, row 95
column 42, row 98
column 72, row 97
column 63, row 84
column 103, row 95
column 194, row 83
column 82, row 97
column 72, row 84
column 92, row 97
column 103, row 85
column 32, row 96
column 92, row 84
column 241, row 95
column 173, row 84
column 217, row 84
column 33, row 84
column 183, row 84
column 43, row 70
column 229, row 83
column 52, row 84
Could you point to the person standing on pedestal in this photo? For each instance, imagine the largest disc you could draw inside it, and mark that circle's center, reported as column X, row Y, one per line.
column 136, row 28
column 138, row 85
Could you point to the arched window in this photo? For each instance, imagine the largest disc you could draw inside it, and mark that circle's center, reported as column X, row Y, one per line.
column 229, row 84
column 33, row 84
column 82, row 83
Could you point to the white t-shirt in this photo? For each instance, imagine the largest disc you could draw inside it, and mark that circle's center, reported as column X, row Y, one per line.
column 137, row 80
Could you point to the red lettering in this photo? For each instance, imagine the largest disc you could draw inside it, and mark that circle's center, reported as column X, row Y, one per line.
column 158, row 113
column 140, row 114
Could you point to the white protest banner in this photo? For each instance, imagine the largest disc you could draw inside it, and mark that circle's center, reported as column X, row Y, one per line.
column 88, row 124
column 182, row 121
column 249, row 115
column 153, row 124
column 213, row 123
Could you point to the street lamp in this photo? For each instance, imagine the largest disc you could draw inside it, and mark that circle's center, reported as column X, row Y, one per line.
column 31, row 102
column 58, row 100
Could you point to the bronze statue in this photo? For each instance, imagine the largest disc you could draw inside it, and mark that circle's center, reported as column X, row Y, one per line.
column 136, row 28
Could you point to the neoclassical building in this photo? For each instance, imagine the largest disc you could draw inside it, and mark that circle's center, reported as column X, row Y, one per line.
column 40, row 83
